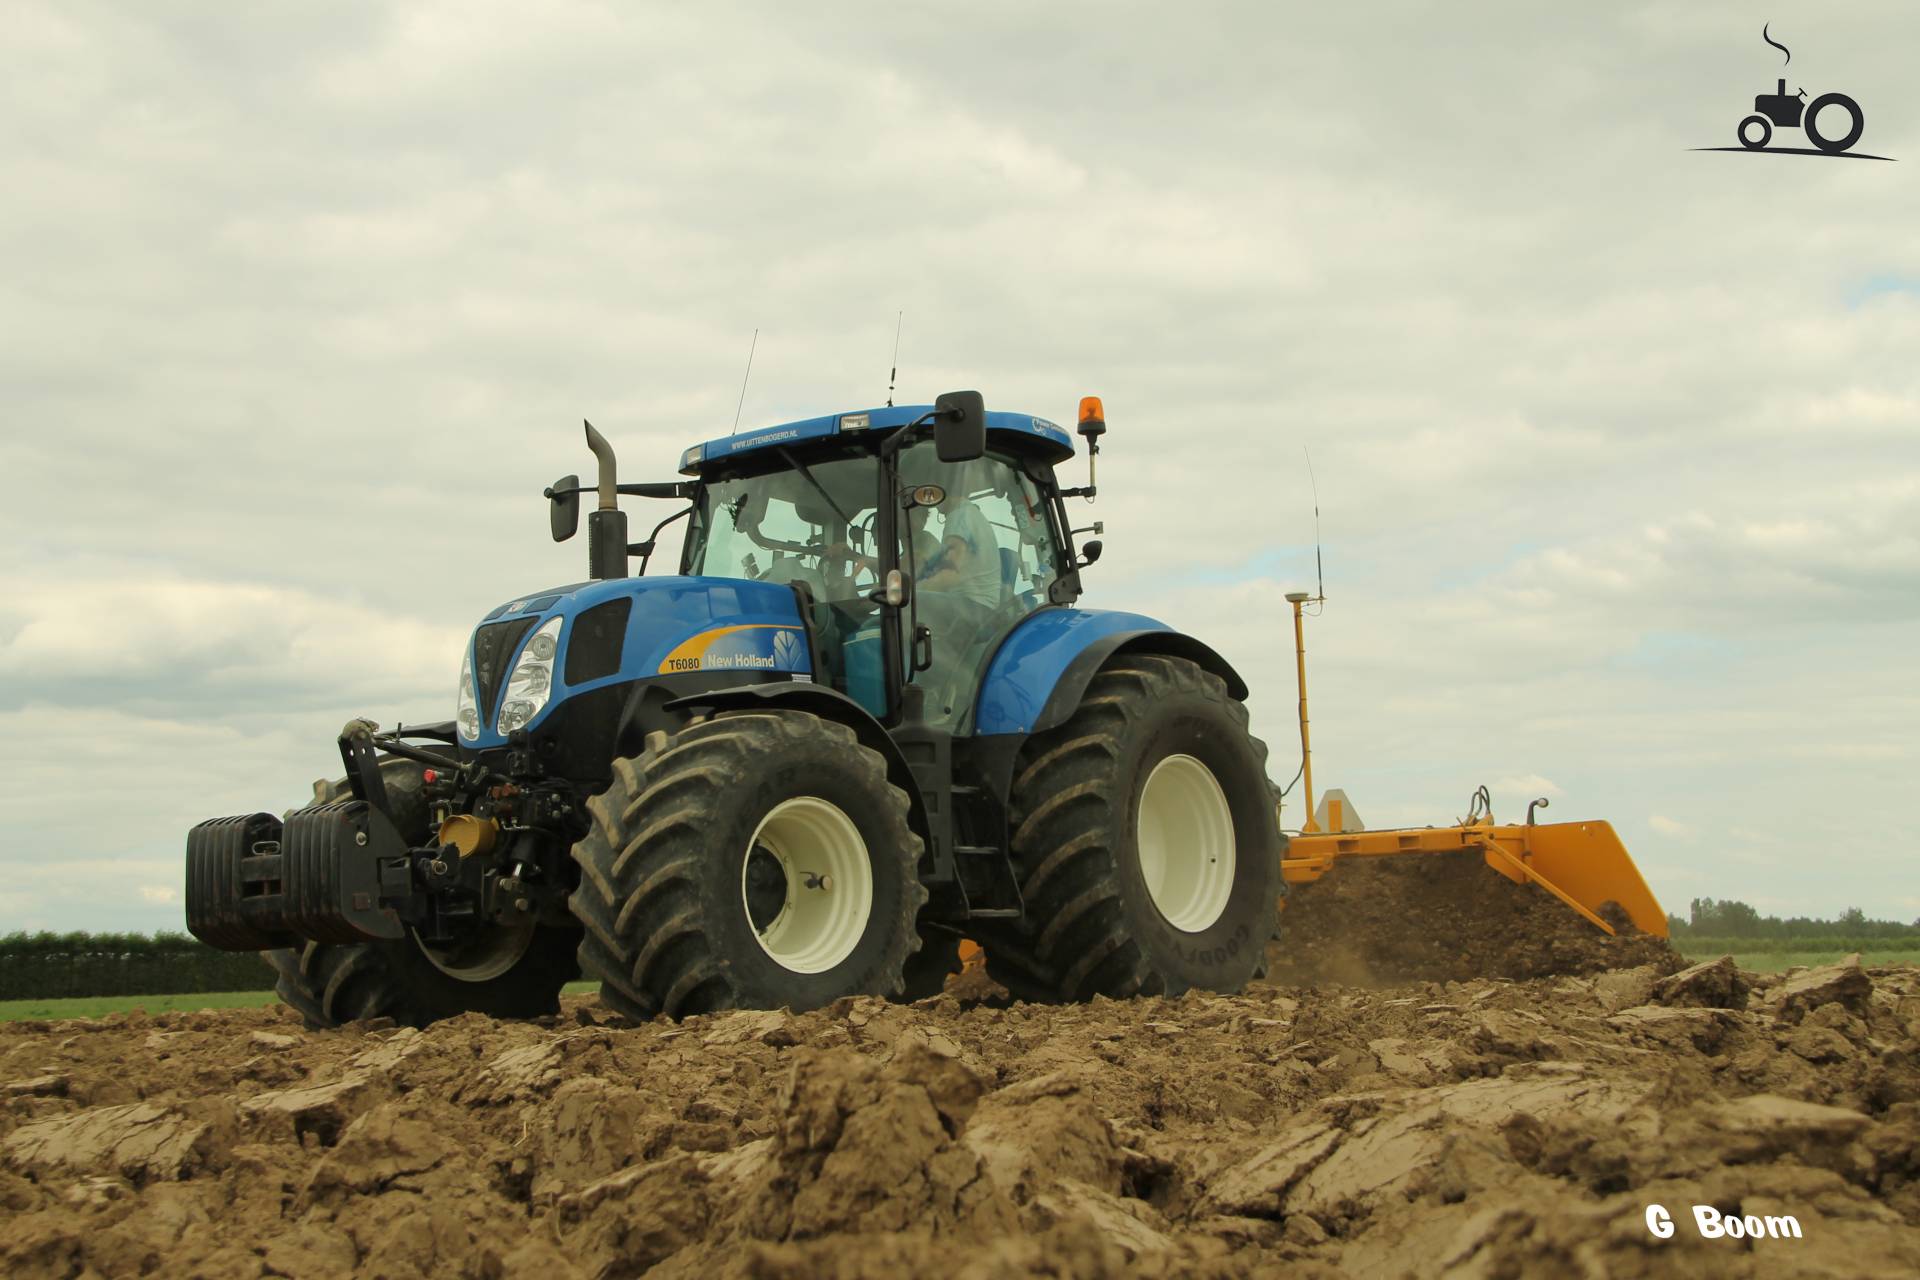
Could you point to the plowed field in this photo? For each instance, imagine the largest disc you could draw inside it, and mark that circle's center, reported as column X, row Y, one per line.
column 1498, row 1126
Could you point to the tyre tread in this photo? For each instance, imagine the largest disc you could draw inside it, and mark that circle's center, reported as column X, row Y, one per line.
column 638, row 900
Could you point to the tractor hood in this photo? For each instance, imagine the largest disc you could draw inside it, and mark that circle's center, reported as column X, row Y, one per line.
column 619, row 630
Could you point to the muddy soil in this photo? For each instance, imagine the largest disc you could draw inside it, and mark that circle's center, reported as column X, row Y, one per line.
column 1478, row 1128
column 1443, row 917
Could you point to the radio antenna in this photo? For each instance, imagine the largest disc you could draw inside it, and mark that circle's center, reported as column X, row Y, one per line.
column 894, row 375
column 743, row 381
column 1320, row 578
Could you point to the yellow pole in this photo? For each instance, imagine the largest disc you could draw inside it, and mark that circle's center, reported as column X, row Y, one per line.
column 1298, row 598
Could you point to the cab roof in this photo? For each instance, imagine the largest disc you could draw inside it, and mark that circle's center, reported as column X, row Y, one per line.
column 1019, row 430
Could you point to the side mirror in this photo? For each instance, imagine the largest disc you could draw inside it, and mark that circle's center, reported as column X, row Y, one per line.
column 1090, row 552
column 563, row 507
column 960, row 433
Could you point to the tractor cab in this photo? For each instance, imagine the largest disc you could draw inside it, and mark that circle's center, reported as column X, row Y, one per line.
column 909, row 567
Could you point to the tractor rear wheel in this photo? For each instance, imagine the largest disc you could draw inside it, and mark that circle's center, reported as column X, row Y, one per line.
column 507, row 971
column 756, row 860
column 1145, row 840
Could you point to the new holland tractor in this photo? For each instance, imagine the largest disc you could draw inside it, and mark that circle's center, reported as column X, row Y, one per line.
column 866, row 720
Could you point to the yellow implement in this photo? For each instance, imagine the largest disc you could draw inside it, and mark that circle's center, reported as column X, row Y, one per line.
column 1581, row 863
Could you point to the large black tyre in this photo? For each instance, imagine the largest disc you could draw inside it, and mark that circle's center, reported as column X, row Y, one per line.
column 664, row 894
column 516, row 974
column 1093, row 924
column 332, row 984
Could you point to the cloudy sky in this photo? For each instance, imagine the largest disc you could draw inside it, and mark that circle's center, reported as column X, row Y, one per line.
column 1615, row 440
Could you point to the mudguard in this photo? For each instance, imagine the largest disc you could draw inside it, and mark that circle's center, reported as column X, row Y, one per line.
column 1040, row 671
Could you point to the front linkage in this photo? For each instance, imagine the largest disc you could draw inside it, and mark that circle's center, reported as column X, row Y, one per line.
column 412, row 841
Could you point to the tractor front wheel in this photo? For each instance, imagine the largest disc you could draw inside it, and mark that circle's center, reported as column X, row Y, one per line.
column 507, row 970
column 751, row 861
column 507, row 973
column 1145, row 840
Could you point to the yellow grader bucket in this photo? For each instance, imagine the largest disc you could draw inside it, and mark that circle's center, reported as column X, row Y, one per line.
column 1581, row 863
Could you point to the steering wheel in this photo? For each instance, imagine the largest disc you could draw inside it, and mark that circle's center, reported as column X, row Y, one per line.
column 870, row 540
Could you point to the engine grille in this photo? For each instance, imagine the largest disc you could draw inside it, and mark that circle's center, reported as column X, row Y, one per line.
column 595, row 641
column 493, row 645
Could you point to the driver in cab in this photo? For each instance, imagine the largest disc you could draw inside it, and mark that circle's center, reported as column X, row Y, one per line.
column 968, row 562
column 964, row 562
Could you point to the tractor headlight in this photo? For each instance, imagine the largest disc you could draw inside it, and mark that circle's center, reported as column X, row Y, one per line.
column 531, row 681
column 467, row 712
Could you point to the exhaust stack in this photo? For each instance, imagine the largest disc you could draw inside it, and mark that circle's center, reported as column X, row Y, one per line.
column 606, row 525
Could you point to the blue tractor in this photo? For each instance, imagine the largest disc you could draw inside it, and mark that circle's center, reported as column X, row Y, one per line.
column 864, row 722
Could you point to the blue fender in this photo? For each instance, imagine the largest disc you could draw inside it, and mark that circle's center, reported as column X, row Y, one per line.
column 1040, row 671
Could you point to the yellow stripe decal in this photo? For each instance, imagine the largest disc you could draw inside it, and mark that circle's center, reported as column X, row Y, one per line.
column 687, row 655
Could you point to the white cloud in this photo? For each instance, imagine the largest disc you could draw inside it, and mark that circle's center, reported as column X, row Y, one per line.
column 159, row 895
column 99, row 630
column 1531, row 784
column 1668, row 826
column 1618, row 478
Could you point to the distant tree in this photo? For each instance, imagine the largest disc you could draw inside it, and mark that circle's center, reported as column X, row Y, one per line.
column 1729, row 919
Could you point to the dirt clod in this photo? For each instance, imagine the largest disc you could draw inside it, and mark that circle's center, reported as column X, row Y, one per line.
column 1845, row 984
column 1712, row 984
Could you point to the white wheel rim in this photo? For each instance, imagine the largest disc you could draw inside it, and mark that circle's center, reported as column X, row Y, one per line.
column 1185, row 837
column 829, row 893
column 485, row 955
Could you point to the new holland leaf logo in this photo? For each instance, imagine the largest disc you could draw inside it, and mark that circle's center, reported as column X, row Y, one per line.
column 786, row 649
column 1832, row 122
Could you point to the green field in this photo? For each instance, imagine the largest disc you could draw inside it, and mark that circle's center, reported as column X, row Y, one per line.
column 97, row 1006
column 1775, row 961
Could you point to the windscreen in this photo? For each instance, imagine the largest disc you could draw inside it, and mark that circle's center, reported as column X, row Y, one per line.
column 812, row 524
column 981, row 558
